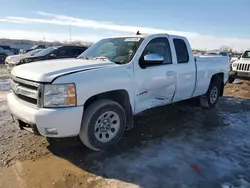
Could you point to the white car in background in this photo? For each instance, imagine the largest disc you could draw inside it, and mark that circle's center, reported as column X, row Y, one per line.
column 12, row 60
column 240, row 68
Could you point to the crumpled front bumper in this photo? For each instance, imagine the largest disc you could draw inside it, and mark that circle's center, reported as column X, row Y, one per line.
column 66, row 121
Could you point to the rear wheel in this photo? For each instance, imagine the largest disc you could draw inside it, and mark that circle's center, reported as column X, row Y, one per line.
column 210, row 99
column 103, row 124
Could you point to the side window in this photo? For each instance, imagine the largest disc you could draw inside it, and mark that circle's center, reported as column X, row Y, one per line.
column 70, row 52
column 181, row 51
column 61, row 53
column 78, row 51
column 73, row 52
column 159, row 46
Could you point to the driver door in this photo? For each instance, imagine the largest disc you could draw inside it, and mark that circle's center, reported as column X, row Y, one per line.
column 155, row 82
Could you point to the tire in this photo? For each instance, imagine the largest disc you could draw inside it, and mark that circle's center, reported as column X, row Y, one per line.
column 93, row 133
column 231, row 80
column 210, row 99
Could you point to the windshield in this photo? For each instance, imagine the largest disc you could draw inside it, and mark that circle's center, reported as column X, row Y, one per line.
column 34, row 47
column 33, row 52
column 118, row 50
column 5, row 47
column 246, row 54
column 45, row 51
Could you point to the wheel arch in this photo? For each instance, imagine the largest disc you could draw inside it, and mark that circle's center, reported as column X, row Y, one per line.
column 219, row 77
column 120, row 96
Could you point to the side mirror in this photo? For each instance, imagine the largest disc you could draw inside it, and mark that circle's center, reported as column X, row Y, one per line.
column 239, row 57
column 153, row 59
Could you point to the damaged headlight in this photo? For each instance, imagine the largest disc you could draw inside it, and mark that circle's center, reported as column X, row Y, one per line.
column 59, row 95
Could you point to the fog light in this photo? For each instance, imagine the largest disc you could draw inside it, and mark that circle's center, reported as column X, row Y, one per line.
column 51, row 131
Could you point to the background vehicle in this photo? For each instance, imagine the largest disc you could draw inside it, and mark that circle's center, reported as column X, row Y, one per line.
column 35, row 47
column 3, row 55
column 96, row 95
column 12, row 60
column 6, row 49
column 54, row 52
column 4, row 52
column 240, row 68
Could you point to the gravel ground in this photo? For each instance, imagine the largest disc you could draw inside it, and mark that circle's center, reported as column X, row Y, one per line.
column 4, row 72
column 175, row 146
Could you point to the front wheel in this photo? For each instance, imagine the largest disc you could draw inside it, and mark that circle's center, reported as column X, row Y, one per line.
column 210, row 99
column 103, row 124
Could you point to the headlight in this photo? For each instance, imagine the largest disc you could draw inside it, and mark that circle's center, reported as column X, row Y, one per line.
column 21, row 62
column 25, row 61
column 235, row 64
column 59, row 95
column 28, row 60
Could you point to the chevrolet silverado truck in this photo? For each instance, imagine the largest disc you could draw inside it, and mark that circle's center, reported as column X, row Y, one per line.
column 96, row 95
column 240, row 68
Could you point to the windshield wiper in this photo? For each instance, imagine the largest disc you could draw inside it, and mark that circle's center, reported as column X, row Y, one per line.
column 101, row 58
column 83, row 57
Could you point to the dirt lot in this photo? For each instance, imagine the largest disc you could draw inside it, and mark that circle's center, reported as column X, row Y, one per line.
column 176, row 146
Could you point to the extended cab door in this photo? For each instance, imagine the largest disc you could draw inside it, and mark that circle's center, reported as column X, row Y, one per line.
column 155, row 84
column 185, row 67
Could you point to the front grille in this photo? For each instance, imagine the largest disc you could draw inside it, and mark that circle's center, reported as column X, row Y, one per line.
column 27, row 99
column 24, row 90
column 243, row 67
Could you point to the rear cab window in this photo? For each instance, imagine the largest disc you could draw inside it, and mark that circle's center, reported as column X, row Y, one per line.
column 181, row 51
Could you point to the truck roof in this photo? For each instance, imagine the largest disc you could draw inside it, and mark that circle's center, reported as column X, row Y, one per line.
column 5, row 47
column 145, row 35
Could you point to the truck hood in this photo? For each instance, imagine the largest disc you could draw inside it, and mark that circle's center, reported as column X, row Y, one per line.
column 14, row 59
column 243, row 60
column 35, row 58
column 13, row 56
column 47, row 71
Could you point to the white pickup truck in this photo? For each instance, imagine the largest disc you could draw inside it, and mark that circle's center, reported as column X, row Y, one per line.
column 96, row 95
column 240, row 68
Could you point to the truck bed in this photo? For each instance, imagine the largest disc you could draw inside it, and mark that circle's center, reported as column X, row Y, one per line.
column 207, row 66
column 211, row 58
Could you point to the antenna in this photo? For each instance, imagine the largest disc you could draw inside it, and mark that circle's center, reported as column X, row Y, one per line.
column 138, row 33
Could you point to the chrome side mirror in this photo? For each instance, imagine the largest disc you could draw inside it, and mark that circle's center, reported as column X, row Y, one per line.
column 153, row 58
